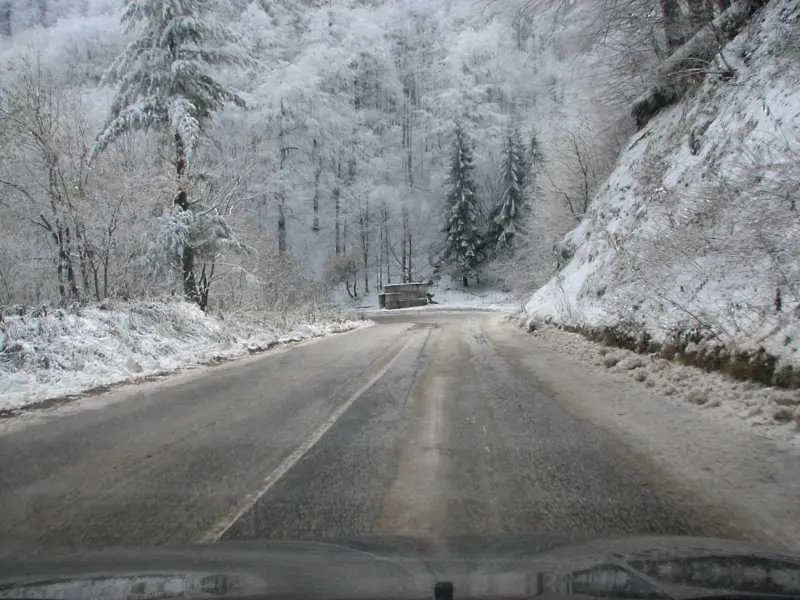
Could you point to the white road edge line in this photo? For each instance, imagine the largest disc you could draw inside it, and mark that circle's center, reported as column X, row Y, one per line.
column 221, row 528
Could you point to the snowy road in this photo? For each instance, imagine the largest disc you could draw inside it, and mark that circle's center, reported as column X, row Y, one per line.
column 427, row 425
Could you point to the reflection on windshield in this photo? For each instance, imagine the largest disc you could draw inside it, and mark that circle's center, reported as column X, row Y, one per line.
column 149, row 587
column 611, row 580
column 604, row 580
column 646, row 578
column 741, row 573
column 354, row 576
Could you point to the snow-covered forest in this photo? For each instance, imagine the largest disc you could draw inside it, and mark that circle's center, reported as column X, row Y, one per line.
column 321, row 158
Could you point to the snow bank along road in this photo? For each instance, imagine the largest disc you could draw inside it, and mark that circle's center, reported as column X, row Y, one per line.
column 430, row 425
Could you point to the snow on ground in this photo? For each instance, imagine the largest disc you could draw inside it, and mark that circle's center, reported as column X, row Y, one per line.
column 773, row 413
column 493, row 300
column 66, row 352
column 698, row 224
column 448, row 297
column 716, row 438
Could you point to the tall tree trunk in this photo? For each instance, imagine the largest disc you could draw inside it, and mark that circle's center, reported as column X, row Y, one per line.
column 96, row 281
column 83, row 263
column 85, row 256
column 344, row 236
column 317, row 174
column 379, row 264
column 62, row 266
column 364, row 223
column 42, row 6
column 182, row 202
column 106, row 261
column 281, row 225
column 89, row 263
column 410, row 277
column 338, row 210
column 673, row 24
column 352, row 294
column 408, row 141
column 107, row 245
column 409, row 100
column 58, row 242
column 68, row 287
column 189, row 281
column 387, row 242
column 403, row 255
column 62, row 291
column 284, row 153
column 204, row 286
column 72, row 282
column 701, row 12
column 5, row 18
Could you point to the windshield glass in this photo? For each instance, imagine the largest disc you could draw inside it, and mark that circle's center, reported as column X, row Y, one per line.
column 456, row 279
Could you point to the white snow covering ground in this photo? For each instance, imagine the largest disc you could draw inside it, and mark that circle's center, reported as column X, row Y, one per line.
column 65, row 352
column 449, row 296
column 466, row 299
column 775, row 413
column 698, row 224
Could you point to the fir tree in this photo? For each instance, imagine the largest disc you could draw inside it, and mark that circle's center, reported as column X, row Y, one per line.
column 506, row 217
column 461, row 251
column 164, row 84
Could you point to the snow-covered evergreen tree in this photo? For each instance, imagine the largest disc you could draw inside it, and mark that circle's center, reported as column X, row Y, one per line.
column 461, row 252
column 505, row 218
column 164, row 84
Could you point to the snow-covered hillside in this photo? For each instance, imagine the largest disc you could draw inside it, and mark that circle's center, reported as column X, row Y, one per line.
column 61, row 352
column 698, row 225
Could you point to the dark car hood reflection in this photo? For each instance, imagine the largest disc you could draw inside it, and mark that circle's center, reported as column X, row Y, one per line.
column 396, row 567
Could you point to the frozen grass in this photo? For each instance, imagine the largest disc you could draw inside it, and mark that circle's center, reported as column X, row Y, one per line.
column 67, row 352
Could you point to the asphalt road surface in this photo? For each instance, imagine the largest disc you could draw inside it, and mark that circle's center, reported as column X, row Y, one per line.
column 423, row 425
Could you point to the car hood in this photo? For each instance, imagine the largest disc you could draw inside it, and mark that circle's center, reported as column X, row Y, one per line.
column 399, row 567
